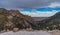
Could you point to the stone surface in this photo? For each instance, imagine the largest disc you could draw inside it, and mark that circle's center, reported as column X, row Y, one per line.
column 26, row 33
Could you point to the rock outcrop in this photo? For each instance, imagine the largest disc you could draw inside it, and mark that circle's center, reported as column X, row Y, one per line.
column 10, row 19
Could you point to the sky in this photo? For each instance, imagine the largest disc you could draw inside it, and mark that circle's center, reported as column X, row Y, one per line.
column 34, row 8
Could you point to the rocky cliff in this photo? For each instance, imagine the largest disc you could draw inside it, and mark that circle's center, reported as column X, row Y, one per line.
column 10, row 19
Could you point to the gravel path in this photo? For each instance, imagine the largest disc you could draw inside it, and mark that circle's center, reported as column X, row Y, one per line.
column 26, row 33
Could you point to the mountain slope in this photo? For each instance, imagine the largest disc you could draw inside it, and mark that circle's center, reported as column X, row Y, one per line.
column 10, row 19
column 52, row 22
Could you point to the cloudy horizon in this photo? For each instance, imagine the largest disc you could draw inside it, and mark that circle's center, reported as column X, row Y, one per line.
column 40, row 14
column 33, row 7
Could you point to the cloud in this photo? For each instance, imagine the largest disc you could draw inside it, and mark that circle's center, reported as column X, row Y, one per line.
column 53, row 5
column 40, row 14
column 26, row 3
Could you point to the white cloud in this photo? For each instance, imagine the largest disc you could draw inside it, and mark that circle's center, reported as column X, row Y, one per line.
column 40, row 14
column 55, row 4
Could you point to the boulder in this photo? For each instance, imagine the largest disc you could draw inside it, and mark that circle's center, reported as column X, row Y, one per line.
column 15, row 29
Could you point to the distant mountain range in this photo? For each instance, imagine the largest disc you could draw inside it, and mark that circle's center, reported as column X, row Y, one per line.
column 52, row 18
